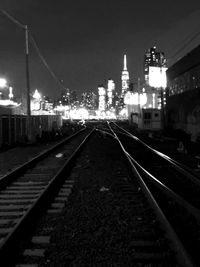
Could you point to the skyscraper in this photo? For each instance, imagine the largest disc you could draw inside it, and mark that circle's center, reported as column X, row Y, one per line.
column 154, row 59
column 125, row 78
column 110, row 93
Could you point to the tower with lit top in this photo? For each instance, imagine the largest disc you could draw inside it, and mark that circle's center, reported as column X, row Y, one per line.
column 125, row 78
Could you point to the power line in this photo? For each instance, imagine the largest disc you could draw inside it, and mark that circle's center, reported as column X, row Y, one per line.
column 13, row 19
column 24, row 27
column 44, row 61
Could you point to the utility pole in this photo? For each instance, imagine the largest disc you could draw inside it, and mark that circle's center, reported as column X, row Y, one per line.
column 27, row 72
column 28, row 121
column 24, row 27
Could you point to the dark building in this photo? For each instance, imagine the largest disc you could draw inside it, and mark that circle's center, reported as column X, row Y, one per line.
column 184, row 75
column 183, row 103
column 154, row 59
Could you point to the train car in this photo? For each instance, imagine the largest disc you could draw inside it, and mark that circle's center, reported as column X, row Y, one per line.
column 13, row 128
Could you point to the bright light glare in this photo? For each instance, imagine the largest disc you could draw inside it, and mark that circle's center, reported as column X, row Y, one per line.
column 62, row 108
column 8, row 102
column 36, row 94
column 10, row 92
column 111, row 85
column 157, row 77
column 123, row 112
column 102, row 91
column 3, row 82
column 81, row 113
column 133, row 99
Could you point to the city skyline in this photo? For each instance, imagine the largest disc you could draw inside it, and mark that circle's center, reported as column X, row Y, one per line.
column 84, row 44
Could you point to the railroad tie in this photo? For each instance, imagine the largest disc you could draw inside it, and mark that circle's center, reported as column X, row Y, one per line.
column 38, row 252
column 26, row 265
column 40, row 240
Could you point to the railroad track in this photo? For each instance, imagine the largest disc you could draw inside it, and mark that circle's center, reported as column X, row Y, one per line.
column 130, row 213
column 174, row 175
column 125, row 229
column 175, row 188
column 27, row 191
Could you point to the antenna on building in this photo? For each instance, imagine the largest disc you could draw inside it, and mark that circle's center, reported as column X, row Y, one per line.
column 125, row 63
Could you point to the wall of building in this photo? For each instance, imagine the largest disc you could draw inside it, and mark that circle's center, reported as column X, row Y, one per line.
column 183, row 103
column 188, row 80
column 183, row 112
column 186, row 63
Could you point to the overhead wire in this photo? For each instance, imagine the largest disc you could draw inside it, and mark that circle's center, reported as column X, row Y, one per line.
column 12, row 19
column 45, row 62
column 22, row 26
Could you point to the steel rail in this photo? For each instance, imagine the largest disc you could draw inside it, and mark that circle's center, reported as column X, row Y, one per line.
column 182, row 255
column 180, row 167
column 185, row 204
column 21, row 229
column 166, row 190
column 7, row 178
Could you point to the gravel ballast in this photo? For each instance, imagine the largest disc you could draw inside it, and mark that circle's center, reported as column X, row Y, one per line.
column 97, row 225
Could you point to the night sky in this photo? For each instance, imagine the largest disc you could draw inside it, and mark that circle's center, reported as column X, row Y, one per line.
column 84, row 41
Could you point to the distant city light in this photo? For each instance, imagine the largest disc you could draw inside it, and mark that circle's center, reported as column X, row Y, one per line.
column 36, row 94
column 124, row 113
column 10, row 92
column 102, row 98
column 157, row 77
column 133, row 99
column 81, row 113
column 102, row 91
column 8, row 102
column 111, row 85
column 111, row 88
column 36, row 102
column 3, row 82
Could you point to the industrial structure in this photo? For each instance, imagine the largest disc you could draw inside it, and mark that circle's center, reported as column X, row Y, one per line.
column 183, row 103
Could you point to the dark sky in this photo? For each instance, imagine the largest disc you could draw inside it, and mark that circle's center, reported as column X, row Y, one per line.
column 84, row 41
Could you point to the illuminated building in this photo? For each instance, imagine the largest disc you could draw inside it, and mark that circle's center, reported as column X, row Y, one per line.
column 158, row 84
column 125, row 78
column 36, row 102
column 102, row 98
column 47, row 104
column 65, row 97
column 89, row 100
column 110, row 92
column 152, row 58
column 155, row 78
